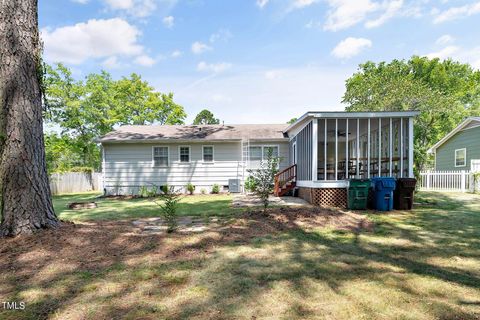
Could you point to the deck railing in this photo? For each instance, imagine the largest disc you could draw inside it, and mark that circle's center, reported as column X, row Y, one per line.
column 288, row 175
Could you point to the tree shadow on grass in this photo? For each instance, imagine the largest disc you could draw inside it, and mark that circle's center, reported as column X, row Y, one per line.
column 104, row 270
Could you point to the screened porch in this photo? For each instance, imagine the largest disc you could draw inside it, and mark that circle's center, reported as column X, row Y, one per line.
column 337, row 146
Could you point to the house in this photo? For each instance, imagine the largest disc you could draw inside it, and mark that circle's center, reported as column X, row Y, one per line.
column 460, row 148
column 319, row 153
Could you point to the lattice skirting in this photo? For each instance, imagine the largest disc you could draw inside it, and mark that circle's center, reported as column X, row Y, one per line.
column 328, row 197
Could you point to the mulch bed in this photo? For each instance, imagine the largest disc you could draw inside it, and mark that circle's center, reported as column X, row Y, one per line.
column 99, row 244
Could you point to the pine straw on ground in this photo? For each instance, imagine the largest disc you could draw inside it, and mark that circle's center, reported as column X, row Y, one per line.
column 33, row 268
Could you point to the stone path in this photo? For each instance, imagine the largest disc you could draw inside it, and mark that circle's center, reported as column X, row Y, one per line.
column 244, row 200
column 185, row 225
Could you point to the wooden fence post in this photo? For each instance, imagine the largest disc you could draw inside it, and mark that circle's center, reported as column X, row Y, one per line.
column 463, row 181
column 428, row 179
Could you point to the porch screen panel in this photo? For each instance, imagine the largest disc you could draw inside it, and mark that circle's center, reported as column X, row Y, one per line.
column 342, row 138
column 405, row 147
column 373, row 147
column 396, row 144
column 321, row 149
column 363, row 151
column 304, row 153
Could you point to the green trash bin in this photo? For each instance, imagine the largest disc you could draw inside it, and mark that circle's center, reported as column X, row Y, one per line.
column 358, row 194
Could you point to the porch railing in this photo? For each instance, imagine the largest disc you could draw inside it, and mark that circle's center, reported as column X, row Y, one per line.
column 285, row 180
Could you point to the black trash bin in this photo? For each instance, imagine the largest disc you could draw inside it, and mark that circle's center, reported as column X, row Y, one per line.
column 403, row 195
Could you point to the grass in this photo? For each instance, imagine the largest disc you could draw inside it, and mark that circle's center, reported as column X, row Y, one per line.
column 111, row 209
column 420, row 264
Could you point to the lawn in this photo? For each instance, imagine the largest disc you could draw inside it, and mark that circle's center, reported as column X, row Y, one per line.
column 110, row 209
column 422, row 264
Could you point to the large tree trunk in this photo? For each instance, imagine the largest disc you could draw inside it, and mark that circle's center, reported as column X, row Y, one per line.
column 26, row 203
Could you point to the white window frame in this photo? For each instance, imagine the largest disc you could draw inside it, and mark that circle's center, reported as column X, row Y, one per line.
column 189, row 154
column 269, row 146
column 213, row 153
column 153, row 156
column 261, row 152
column 464, row 160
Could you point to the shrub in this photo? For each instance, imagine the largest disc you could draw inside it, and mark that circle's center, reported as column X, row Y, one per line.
column 264, row 178
column 169, row 207
column 190, row 188
column 215, row 188
column 203, row 191
column 143, row 192
column 153, row 191
column 165, row 188
column 250, row 184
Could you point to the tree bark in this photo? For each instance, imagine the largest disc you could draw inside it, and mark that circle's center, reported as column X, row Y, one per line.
column 26, row 204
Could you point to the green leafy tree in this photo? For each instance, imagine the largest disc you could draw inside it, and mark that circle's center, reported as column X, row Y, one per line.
column 263, row 178
column 85, row 110
column 291, row 121
column 205, row 117
column 444, row 92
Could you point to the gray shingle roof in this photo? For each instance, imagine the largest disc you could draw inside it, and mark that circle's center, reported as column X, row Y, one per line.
column 194, row 132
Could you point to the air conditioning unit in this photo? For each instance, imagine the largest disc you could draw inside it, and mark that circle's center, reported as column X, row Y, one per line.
column 234, row 185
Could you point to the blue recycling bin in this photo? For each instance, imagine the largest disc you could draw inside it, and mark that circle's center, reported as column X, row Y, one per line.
column 383, row 193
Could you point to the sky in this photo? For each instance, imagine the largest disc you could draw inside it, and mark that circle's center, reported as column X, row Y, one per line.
column 253, row 61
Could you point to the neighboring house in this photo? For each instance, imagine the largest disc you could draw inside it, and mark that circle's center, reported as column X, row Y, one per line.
column 460, row 148
column 319, row 153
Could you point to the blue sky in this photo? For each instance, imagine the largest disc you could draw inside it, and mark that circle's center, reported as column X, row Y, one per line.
column 253, row 61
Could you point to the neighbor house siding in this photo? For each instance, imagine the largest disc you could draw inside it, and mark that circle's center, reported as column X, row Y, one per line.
column 468, row 139
column 128, row 166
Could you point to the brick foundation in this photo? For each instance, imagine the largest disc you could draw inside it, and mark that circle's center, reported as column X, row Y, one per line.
column 328, row 197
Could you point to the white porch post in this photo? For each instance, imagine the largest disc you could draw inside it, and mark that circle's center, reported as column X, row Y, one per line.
column 401, row 147
column 315, row 149
column 336, row 149
column 410, row 147
column 379, row 147
column 368, row 149
column 325, row 153
column 358, row 148
column 390, row 149
column 346, row 149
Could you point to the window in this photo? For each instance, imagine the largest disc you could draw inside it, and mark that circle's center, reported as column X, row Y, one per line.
column 460, row 157
column 268, row 149
column 184, row 154
column 160, row 156
column 207, row 153
column 256, row 153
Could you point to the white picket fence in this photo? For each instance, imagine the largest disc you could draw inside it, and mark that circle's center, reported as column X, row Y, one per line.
column 71, row 182
column 461, row 181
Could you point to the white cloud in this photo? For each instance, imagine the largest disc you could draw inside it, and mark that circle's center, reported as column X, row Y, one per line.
column 221, row 35
column 343, row 14
column 136, row 8
column 464, row 55
column 454, row 13
column 145, row 60
column 111, row 63
column 302, row 3
column 391, row 8
column 200, row 47
column 214, row 67
column 176, row 53
column 262, row 3
column 168, row 21
column 346, row 13
column 92, row 39
column 445, row 39
column 80, row 1
column 350, row 47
